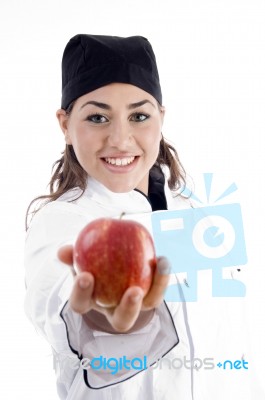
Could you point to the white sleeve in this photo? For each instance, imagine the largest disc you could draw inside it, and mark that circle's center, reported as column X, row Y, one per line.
column 49, row 281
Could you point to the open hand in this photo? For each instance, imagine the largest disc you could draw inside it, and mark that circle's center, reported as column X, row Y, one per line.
column 132, row 307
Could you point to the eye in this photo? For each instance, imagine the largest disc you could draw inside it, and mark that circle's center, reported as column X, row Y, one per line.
column 97, row 118
column 139, row 117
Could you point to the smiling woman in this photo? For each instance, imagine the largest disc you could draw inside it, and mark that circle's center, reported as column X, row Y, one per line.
column 117, row 162
column 112, row 117
column 115, row 132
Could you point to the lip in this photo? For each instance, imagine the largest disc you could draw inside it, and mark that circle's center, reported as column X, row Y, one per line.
column 120, row 169
column 119, row 155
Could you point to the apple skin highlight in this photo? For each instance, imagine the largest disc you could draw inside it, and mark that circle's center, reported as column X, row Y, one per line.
column 119, row 254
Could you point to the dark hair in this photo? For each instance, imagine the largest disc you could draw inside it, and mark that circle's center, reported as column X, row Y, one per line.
column 68, row 173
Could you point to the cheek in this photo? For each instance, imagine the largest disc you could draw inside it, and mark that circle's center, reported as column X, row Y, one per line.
column 152, row 143
column 83, row 142
column 82, row 149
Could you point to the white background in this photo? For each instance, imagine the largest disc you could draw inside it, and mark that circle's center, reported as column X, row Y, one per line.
column 211, row 60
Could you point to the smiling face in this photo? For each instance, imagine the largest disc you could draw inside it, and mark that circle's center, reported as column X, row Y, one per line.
column 115, row 132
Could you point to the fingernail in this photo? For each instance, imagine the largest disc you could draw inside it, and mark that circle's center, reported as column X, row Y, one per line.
column 163, row 266
column 84, row 283
column 135, row 299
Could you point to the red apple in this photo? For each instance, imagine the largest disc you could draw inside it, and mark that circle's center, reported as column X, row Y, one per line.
column 119, row 253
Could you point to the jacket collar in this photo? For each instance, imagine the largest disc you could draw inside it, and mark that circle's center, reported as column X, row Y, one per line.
column 130, row 202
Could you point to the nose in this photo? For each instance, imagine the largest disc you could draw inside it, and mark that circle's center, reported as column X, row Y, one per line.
column 119, row 135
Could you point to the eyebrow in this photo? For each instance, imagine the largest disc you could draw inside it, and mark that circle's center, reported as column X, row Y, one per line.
column 105, row 106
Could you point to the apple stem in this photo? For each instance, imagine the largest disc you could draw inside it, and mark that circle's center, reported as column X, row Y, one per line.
column 122, row 214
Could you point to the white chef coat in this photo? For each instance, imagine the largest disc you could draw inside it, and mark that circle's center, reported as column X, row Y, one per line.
column 210, row 328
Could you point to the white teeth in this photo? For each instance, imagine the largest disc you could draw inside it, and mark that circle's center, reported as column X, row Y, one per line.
column 119, row 161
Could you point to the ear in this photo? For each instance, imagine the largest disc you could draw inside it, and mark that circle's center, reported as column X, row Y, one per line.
column 63, row 122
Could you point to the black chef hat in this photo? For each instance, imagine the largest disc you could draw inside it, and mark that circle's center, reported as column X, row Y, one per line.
column 92, row 61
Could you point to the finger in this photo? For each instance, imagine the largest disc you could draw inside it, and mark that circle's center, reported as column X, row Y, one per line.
column 81, row 297
column 65, row 254
column 161, row 278
column 127, row 312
